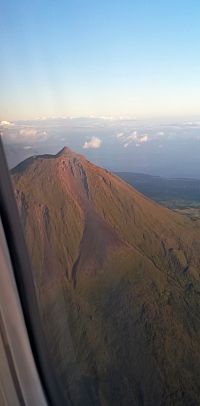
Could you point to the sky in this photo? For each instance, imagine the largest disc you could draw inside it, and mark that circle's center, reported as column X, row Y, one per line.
column 130, row 58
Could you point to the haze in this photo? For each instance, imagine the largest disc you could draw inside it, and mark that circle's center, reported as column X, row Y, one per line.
column 165, row 148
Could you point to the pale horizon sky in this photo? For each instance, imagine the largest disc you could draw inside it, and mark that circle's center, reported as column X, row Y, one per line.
column 104, row 58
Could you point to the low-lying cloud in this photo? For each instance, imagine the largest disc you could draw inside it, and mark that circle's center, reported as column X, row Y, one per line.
column 28, row 132
column 5, row 123
column 143, row 139
column 93, row 143
column 134, row 136
column 120, row 135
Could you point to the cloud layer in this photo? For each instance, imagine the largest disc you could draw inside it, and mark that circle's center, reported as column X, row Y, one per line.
column 165, row 148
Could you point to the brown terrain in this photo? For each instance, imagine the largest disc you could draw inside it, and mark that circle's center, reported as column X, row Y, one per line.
column 118, row 284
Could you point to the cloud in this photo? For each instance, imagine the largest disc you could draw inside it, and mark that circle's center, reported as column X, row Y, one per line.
column 24, row 134
column 93, row 143
column 32, row 134
column 143, row 139
column 130, row 138
column 5, row 123
column 120, row 135
column 26, row 147
column 109, row 118
column 191, row 123
column 28, row 132
column 160, row 133
column 134, row 136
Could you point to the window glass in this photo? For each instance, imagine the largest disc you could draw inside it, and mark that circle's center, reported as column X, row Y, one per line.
column 100, row 122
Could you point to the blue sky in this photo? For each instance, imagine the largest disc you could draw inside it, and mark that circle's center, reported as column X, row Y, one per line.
column 103, row 58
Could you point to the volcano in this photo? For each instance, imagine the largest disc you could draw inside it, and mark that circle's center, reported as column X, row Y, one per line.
column 118, row 284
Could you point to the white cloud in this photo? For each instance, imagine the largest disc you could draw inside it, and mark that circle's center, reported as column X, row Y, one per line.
column 31, row 134
column 26, row 147
column 109, row 118
column 5, row 123
column 93, row 143
column 160, row 133
column 128, row 139
column 28, row 132
column 120, row 135
column 132, row 137
column 192, row 124
column 143, row 139
column 23, row 134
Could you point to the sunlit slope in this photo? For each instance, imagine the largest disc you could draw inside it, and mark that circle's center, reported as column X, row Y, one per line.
column 119, row 275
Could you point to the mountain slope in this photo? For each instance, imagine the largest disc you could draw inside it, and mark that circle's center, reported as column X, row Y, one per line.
column 118, row 282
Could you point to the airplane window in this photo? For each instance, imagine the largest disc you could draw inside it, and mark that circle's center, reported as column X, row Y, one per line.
column 100, row 124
